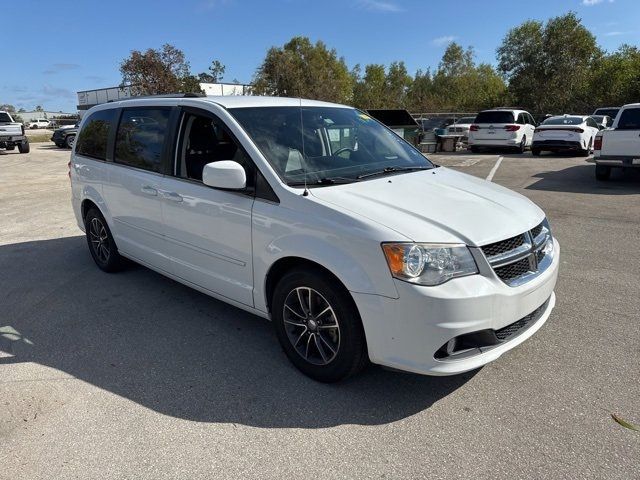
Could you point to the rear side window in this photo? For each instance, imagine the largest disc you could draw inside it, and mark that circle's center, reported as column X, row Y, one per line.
column 495, row 117
column 141, row 136
column 4, row 117
column 92, row 139
column 629, row 119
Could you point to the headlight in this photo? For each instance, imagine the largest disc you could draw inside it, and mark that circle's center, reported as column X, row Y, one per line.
column 428, row 264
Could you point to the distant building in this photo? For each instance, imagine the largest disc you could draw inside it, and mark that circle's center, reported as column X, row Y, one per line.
column 37, row 115
column 90, row 98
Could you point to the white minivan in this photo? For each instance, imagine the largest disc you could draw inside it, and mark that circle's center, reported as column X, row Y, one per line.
column 321, row 219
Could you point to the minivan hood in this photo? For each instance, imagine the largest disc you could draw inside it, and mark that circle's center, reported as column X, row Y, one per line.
column 438, row 205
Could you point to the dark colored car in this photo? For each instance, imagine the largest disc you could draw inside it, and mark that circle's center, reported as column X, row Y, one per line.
column 65, row 137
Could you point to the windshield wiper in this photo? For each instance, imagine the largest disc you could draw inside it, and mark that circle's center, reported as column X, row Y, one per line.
column 391, row 170
column 324, row 181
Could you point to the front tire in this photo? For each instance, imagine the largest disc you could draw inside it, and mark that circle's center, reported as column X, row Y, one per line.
column 318, row 325
column 101, row 244
column 69, row 141
column 603, row 172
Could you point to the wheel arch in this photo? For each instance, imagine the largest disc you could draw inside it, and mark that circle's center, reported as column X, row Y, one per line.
column 286, row 264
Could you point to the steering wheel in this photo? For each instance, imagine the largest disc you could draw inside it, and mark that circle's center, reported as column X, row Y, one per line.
column 342, row 150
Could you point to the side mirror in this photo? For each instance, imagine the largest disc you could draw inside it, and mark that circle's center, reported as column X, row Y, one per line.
column 225, row 174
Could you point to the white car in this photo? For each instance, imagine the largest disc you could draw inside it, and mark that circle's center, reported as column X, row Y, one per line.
column 565, row 133
column 319, row 218
column 461, row 127
column 502, row 128
column 40, row 123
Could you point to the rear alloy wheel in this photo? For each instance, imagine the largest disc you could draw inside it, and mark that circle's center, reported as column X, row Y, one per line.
column 69, row 141
column 101, row 244
column 603, row 172
column 318, row 326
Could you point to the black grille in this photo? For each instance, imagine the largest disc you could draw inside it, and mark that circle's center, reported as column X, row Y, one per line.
column 511, row 330
column 503, row 246
column 536, row 231
column 513, row 270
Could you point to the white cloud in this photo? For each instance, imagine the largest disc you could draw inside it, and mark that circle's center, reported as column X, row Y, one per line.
column 616, row 34
column 444, row 40
column 590, row 3
column 380, row 6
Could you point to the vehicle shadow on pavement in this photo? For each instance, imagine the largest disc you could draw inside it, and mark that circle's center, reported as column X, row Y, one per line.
column 581, row 179
column 177, row 351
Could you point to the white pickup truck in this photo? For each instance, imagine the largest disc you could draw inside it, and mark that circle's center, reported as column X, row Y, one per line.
column 619, row 146
column 12, row 134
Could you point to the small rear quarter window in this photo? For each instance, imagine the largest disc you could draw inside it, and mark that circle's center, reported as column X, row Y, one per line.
column 93, row 138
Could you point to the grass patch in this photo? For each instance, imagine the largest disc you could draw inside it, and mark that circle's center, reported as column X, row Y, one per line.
column 39, row 138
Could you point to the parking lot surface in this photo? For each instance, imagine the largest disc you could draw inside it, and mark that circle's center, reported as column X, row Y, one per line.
column 132, row 375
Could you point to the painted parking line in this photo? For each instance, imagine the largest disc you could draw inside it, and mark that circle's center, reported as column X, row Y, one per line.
column 494, row 169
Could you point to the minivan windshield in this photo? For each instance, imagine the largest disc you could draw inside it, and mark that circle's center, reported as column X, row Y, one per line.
column 495, row 116
column 327, row 145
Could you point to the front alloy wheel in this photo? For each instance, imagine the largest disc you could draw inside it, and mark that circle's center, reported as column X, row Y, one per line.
column 99, row 240
column 311, row 325
column 318, row 324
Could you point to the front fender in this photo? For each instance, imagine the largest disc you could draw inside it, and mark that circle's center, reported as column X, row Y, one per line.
column 355, row 259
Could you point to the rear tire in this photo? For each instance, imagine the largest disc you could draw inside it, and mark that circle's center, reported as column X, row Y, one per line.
column 587, row 152
column 24, row 147
column 101, row 244
column 523, row 145
column 535, row 152
column 318, row 325
column 603, row 172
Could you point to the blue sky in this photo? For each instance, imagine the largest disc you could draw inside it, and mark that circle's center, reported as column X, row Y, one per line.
column 69, row 45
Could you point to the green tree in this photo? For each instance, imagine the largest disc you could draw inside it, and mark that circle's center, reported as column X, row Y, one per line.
column 398, row 83
column 461, row 85
column 369, row 91
column 548, row 66
column 303, row 69
column 615, row 78
column 420, row 96
column 156, row 72
column 214, row 74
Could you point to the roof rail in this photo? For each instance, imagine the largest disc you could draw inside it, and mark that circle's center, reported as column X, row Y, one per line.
column 165, row 95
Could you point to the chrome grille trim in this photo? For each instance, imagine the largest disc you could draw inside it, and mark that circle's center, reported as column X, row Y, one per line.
column 523, row 263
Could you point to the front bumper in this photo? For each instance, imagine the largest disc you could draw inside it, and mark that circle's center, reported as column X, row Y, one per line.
column 405, row 333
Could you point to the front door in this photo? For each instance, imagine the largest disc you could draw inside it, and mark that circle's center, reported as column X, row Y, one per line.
column 208, row 231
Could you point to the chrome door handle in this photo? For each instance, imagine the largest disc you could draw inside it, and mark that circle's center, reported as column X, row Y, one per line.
column 173, row 196
column 147, row 190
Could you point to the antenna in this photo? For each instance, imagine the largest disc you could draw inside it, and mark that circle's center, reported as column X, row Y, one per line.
column 304, row 163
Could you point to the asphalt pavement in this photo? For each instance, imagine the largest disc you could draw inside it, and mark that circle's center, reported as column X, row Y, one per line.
column 132, row 375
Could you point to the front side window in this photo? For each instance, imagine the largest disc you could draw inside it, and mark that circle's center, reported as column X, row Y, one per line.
column 204, row 140
column 323, row 145
column 629, row 119
column 140, row 137
column 92, row 139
